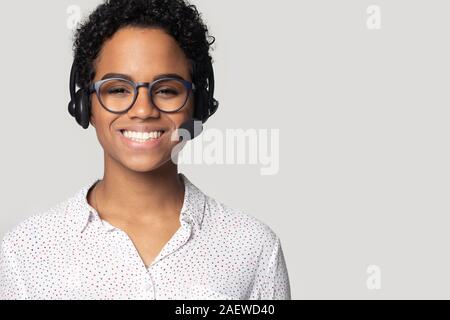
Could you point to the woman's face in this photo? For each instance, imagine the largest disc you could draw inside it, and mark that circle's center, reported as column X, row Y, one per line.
column 142, row 54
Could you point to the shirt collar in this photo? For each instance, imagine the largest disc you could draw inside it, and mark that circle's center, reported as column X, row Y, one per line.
column 192, row 210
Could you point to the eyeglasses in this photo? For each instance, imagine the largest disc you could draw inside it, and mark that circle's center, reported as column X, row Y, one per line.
column 118, row 95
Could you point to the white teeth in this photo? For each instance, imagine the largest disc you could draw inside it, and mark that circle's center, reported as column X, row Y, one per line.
column 141, row 136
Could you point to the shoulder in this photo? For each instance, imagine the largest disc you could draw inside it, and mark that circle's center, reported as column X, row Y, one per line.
column 239, row 224
column 40, row 227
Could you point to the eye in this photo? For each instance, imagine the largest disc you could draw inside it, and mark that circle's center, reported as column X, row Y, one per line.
column 167, row 92
column 118, row 91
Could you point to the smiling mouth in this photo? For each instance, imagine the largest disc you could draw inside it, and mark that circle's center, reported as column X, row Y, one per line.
column 142, row 137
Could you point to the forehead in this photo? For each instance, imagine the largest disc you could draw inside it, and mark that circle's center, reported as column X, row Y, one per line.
column 141, row 52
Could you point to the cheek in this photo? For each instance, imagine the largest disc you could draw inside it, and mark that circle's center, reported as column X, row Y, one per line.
column 183, row 115
column 188, row 111
column 102, row 120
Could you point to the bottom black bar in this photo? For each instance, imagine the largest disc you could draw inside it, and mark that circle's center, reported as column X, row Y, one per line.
column 217, row 309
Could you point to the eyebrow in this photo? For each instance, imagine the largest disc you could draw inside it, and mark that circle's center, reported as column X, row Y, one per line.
column 157, row 77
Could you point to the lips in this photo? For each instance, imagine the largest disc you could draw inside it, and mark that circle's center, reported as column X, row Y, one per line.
column 140, row 145
column 142, row 128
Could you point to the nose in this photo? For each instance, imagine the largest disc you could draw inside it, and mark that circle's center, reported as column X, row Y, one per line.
column 143, row 106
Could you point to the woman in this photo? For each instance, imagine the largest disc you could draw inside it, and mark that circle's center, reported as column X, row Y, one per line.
column 144, row 231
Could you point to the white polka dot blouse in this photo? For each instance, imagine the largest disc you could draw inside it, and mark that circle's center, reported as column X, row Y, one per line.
column 69, row 252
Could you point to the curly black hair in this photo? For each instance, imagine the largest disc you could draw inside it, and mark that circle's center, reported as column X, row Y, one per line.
column 176, row 17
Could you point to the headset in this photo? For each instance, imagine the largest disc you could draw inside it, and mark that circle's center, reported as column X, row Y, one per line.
column 205, row 104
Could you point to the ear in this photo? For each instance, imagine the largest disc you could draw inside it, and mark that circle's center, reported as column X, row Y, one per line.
column 92, row 121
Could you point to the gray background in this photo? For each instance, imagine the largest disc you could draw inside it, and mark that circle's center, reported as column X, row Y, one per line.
column 363, row 118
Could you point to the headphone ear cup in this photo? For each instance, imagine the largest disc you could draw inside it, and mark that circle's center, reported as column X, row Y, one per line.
column 207, row 105
column 199, row 105
column 82, row 108
column 71, row 108
column 214, row 105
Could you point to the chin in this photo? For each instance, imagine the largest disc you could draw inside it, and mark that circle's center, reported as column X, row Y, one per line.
column 145, row 165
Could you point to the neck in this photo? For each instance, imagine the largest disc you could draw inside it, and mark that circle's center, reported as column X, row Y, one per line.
column 146, row 197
